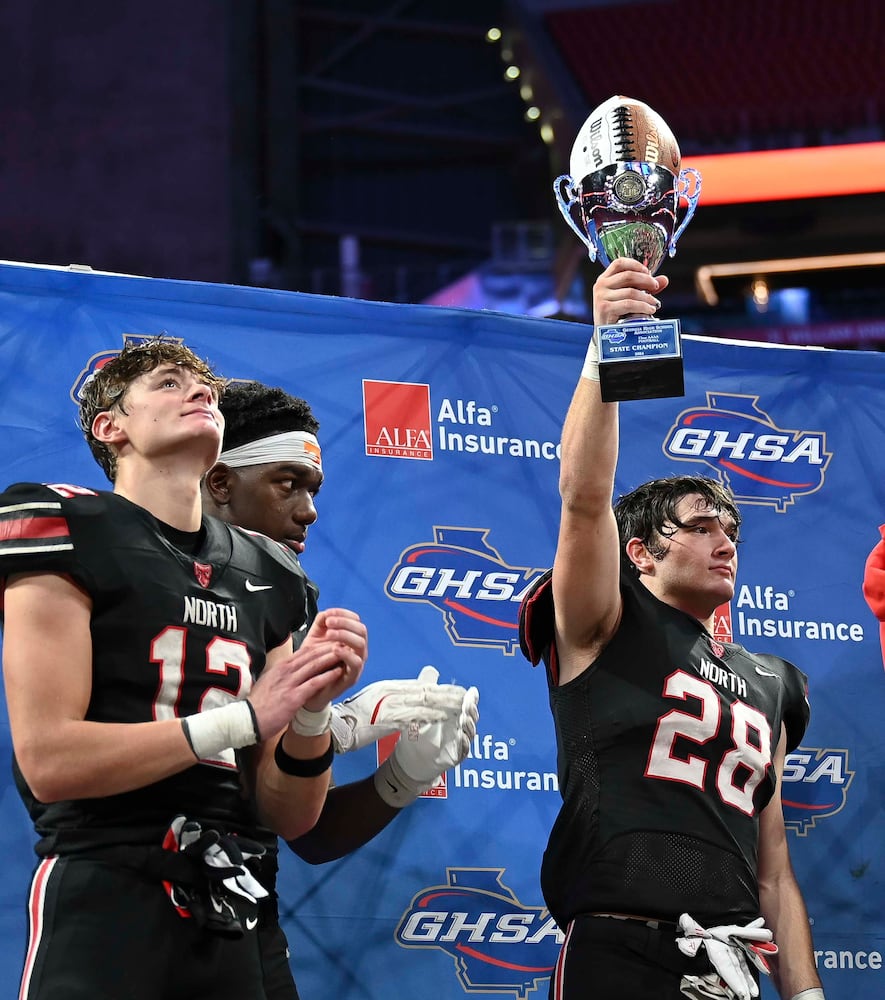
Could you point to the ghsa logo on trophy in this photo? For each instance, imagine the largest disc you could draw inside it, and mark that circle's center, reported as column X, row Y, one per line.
column 626, row 196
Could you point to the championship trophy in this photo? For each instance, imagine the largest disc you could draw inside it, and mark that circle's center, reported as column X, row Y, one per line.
column 627, row 197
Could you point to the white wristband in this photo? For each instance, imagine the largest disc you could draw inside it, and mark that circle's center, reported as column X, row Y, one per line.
column 307, row 723
column 393, row 786
column 227, row 728
column 591, row 361
column 815, row 993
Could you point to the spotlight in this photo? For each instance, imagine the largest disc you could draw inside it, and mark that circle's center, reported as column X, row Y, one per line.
column 493, row 35
column 532, row 114
column 547, row 135
column 525, row 92
column 760, row 294
column 511, row 73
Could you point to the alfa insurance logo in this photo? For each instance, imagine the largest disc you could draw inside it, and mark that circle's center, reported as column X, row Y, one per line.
column 397, row 419
column 745, row 448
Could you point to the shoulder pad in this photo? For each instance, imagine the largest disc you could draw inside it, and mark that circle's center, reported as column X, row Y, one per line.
column 797, row 710
column 39, row 527
column 536, row 619
column 34, row 530
column 280, row 553
column 298, row 584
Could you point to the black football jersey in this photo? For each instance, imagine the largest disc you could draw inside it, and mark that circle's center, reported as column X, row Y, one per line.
column 665, row 747
column 172, row 634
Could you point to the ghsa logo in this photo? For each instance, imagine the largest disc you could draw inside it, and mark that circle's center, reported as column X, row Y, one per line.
column 462, row 576
column 98, row 361
column 498, row 944
column 761, row 462
column 816, row 783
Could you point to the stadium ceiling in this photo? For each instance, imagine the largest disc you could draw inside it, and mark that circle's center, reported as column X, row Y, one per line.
column 408, row 136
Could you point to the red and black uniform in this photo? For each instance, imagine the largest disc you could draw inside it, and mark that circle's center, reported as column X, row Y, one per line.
column 174, row 632
column 665, row 747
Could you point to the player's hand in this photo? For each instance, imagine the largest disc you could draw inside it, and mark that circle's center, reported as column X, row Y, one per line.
column 626, row 288
column 347, row 632
column 387, row 707
column 424, row 753
column 329, row 661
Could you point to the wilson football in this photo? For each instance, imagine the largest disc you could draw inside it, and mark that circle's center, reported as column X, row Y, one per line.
column 619, row 130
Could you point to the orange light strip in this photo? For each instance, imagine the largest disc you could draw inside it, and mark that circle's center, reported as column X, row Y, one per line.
column 787, row 265
column 781, row 174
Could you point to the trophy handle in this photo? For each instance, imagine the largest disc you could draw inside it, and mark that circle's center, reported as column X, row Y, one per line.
column 565, row 182
column 688, row 186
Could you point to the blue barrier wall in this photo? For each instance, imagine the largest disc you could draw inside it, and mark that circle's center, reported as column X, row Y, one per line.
column 439, row 431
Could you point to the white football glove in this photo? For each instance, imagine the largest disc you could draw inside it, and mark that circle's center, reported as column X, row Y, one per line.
column 426, row 751
column 388, row 707
column 728, row 948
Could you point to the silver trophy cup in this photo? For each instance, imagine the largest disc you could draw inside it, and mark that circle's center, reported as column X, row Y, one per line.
column 628, row 197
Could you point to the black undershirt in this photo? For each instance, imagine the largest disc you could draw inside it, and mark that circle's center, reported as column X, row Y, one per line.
column 184, row 541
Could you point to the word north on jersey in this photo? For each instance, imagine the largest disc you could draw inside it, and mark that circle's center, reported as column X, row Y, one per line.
column 214, row 614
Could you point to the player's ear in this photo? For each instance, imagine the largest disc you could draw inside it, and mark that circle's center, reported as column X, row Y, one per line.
column 106, row 429
column 218, row 483
column 638, row 554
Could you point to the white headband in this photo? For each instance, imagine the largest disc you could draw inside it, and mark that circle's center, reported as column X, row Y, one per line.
column 293, row 446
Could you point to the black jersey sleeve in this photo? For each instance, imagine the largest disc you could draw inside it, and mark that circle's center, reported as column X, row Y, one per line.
column 278, row 565
column 536, row 619
column 38, row 529
column 797, row 710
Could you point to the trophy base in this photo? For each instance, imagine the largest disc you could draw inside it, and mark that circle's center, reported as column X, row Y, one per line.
column 640, row 359
column 658, row 378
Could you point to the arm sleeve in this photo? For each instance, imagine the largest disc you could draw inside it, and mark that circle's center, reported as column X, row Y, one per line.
column 796, row 710
column 536, row 619
column 874, row 578
column 36, row 532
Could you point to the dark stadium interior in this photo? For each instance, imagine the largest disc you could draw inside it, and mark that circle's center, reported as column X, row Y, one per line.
column 377, row 149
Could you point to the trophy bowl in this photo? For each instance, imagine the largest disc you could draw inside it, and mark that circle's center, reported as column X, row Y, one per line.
column 627, row 196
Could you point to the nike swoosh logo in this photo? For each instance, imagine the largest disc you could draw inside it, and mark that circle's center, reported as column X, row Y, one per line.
column 764, row 673
column 251, row 923
column 392, row 786
column 253, row 587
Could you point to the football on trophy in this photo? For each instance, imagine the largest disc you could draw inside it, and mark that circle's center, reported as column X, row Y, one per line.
column 620, row 130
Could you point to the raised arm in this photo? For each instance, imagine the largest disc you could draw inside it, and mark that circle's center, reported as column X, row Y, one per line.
column 587, row 561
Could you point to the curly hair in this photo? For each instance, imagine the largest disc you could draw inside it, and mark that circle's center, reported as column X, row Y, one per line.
column 253, row 410
column 649, row 512
column 106, row 388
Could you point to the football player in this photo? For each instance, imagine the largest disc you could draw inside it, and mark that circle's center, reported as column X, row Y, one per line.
column 150, row 681
column 267, row 479
column 669, row 854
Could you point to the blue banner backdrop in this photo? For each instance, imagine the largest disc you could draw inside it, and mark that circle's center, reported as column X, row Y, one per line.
column 440, row 431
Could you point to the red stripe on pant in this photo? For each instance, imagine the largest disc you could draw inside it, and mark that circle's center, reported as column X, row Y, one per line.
column 559, row 969
column 35, row 921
